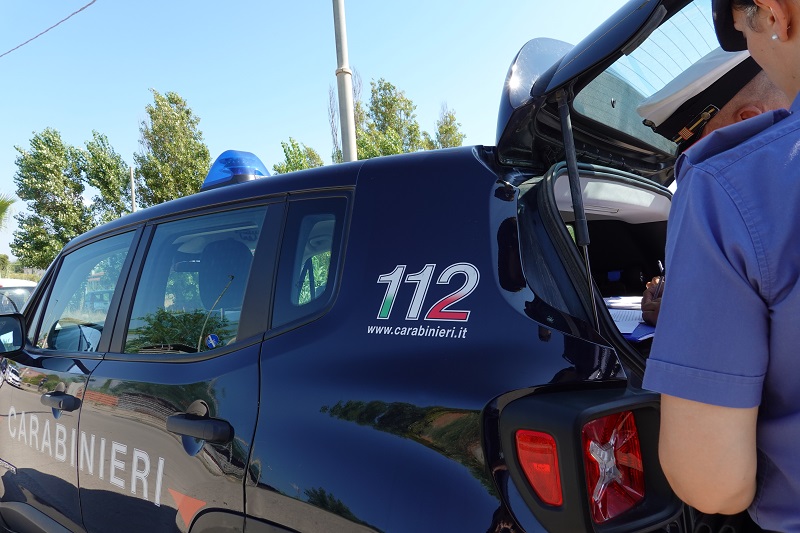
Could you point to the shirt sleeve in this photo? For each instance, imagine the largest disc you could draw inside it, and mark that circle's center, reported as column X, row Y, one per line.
column 712, row 338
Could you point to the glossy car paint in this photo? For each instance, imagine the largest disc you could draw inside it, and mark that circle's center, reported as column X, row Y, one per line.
column 39, row 441
column 388, row 427
column 127, row 404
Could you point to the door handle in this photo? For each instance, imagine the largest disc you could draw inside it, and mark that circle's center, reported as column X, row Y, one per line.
column 200, row 427
column 60, row 400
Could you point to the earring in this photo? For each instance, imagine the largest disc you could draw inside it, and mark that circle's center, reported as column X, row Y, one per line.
column 774, row 36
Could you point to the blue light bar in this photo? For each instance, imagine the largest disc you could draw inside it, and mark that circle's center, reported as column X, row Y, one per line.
column 234, row 166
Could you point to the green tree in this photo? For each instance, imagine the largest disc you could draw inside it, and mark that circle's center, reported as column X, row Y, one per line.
column 174, row 159
column 49, row 178
column 104, row 170
column 297, row 157
column 5, row 262
column 389, row 124
column 54, row 178
column 448, row 132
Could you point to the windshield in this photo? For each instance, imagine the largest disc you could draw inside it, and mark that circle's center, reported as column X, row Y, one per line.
column 13, row 299
column 614, row 96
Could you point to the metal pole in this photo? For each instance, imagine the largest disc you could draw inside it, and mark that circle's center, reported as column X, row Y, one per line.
column 344, row 83
column 133, row 193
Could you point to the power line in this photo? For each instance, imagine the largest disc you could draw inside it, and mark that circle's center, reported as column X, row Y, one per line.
column 48, row 29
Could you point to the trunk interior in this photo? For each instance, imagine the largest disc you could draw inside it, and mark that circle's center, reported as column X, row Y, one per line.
column 627, row 222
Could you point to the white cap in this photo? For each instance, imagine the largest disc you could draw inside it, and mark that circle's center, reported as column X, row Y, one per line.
column 689, row 83
column 684, row 106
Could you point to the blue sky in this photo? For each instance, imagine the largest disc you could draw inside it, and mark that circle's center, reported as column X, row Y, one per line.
column 256, row 72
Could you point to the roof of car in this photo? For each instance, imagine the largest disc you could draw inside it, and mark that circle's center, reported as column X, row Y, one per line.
column 323, row 178
column 14, row 282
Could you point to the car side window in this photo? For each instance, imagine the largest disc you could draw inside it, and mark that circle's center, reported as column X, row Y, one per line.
column 308, row 258
column 70, row 322
column 192, row 287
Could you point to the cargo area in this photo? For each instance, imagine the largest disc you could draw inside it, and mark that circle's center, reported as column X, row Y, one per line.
column 627, row 220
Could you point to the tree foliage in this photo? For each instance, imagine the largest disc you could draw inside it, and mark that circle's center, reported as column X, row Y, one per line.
column 69, row 190
column 183, row 330
column 49, row 178
column 333, row 120
column 106, row 172
column 297, row 157
column 387, row 124
column 55, row 179
column 174, row 159
column 448, row 132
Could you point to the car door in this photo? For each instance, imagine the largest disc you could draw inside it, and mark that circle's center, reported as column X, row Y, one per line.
column 39, row 440
column 170, row 413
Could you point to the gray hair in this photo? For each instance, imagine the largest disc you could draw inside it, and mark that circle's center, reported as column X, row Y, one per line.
column 749, row 8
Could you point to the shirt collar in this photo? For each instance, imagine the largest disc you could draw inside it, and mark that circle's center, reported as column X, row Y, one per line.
column 795, row 104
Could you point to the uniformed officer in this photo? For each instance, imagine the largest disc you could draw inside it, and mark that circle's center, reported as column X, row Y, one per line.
column 725, row 354
column 720, row 89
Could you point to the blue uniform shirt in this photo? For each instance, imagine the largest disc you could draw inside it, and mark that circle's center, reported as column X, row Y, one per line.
column 729, row 326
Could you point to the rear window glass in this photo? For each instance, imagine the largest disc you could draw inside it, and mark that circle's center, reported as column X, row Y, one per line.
column 614, row 96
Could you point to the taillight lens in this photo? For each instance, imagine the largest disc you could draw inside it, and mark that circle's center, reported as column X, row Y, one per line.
column 539, row 459
column 613, row 460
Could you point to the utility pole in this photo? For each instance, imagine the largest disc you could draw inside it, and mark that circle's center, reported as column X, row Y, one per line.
column 344, row 83
column 133, row 193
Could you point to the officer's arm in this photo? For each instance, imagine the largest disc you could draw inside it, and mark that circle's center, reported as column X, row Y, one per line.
column 708, row 454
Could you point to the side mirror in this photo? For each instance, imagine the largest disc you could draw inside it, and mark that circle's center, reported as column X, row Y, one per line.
column 12, row 332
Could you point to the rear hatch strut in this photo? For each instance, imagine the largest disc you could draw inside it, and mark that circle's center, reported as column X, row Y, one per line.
column 581, row 227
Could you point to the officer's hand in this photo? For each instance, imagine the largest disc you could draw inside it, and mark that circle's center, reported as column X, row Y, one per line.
column 651, row 302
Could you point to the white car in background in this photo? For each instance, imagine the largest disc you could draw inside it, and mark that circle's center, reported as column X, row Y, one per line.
column 14, row 294
column 12, row 376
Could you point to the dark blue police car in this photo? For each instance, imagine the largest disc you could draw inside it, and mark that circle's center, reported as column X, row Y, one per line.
column 404, row 344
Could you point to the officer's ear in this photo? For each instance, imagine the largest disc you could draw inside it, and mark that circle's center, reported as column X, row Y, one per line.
column 747, row 111
column 780, row 17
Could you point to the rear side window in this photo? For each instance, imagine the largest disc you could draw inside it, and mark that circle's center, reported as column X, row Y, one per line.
column 72, row 322
column 192, row 287
column 309, row 259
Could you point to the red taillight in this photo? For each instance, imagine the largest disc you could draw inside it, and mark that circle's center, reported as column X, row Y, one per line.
column 613, row 459
column 539, row 459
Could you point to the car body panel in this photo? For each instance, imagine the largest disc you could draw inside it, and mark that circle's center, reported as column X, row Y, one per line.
column 38, row 442
column 411, row 404
column 161, row 479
